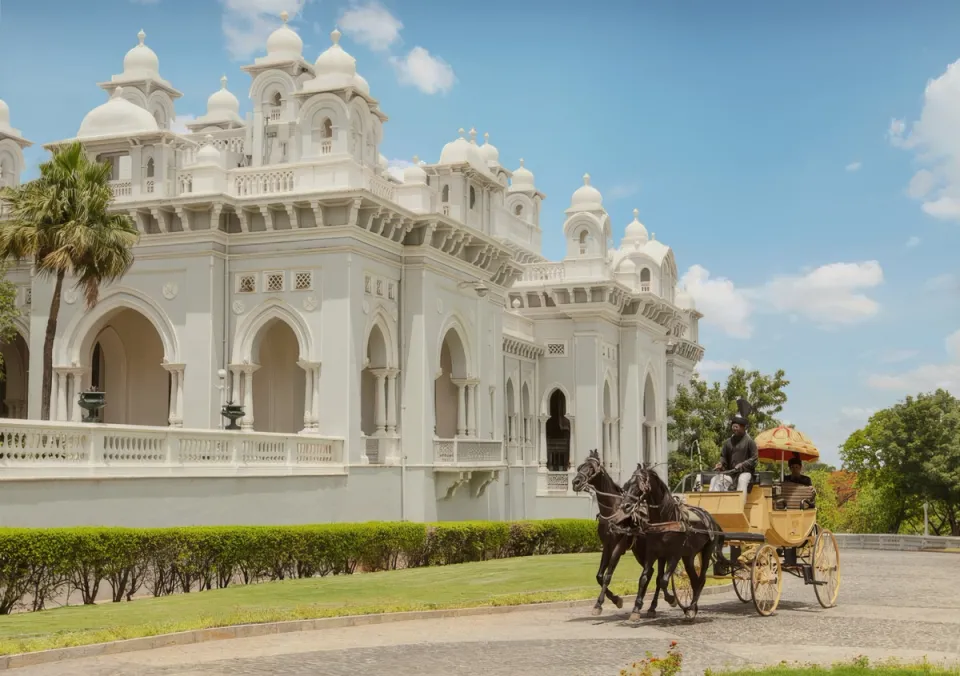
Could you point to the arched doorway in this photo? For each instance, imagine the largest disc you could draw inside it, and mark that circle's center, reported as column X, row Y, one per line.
column 454, row 397
column 648, row 451
column 373, row 386
column 558, row 434
column 125, row 361
column 15, row 381
column 279, row 386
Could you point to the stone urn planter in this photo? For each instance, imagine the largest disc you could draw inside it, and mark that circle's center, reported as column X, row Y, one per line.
column 92, row 402
column 233, row 413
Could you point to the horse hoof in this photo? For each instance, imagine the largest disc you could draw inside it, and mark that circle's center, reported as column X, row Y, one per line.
column 672, row 602
column 597, row 610
column 651, row 612
column 634, row 616
column 618, row 602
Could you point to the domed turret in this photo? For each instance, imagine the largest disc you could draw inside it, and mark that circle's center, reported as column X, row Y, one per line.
column 208, row 154
column 490, row 152
column 335, row 69
column 636, row 233
column 522, row 180
column 141, row 62
column 117, row 117
column 284, row 44
column 586, row 197
column 4, row 115
column 462, row 151
column 222, row 104
column 414, row 173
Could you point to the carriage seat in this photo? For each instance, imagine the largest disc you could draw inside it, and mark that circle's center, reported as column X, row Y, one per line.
column 795, row 496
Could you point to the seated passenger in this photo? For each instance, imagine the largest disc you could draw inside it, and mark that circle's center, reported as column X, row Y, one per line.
column 739, row 453
column 796, row 473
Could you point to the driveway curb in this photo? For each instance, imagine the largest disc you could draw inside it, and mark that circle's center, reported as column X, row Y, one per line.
column 267, row 628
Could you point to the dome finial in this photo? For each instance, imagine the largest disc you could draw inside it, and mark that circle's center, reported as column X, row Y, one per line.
column 284, row 17
column 521, row 161
column 486, row 137
column 416, row 160
column 636, row 214
column 653, row 235
column 461, row 132
column 473, row 136
column 223, row 82
column 586, row 179
column 141, row 36
column 335, row 36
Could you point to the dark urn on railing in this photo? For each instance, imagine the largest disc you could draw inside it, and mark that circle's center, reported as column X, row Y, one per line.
column 233, row 413
column 92, row 402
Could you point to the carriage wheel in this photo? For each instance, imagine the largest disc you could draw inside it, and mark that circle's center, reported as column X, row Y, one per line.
column 826, row 569
column 766, row 580
column 741, row 583
column 680, row 584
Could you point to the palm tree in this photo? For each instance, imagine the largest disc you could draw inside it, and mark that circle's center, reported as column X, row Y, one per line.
column 61, row 222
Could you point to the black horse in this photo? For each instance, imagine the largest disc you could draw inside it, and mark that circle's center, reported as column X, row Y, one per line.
column 672, row 531
column 593, row 477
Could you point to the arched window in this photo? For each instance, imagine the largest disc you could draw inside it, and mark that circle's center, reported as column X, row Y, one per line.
column 473, row 197
column 518, row 210
column 322, row 132
column 445, row 195
column 277, row 100
column 150, row 168
column 583, row 241
column 645, row 279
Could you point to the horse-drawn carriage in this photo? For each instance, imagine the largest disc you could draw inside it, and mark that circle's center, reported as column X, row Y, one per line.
column 771, row 531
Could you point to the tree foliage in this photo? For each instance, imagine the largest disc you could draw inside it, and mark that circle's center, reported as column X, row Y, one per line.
column 61, row 223
column 8, row 313
column 700, row 414
column 906, row 455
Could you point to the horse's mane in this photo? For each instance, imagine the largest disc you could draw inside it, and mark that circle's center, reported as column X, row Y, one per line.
column 668, row 508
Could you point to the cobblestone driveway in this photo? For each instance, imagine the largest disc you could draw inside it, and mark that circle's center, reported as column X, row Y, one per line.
column 891, row 604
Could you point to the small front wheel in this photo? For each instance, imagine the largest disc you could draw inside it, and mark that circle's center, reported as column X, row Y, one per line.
column 826, row 569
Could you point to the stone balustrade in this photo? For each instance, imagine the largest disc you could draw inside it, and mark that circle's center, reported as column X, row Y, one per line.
column 467, row 452
column 35, row 449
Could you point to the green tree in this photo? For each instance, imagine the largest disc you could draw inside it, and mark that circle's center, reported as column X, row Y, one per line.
column 61, row 222
column 910, row 453
column 828, row 513
column 8, row 313
column 700, row 415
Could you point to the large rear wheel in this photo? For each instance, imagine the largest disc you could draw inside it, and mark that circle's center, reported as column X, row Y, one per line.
column 826, row 569
column 766, row 580
column 680, row 584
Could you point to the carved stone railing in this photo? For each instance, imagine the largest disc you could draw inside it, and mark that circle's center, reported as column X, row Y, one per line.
column 34, row 449
column 543, row 272
column 121, row 189
column 465, row 452
column 379, row 186
column 263, row 182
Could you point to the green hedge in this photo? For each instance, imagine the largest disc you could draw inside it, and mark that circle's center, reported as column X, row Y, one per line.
column 39, row 564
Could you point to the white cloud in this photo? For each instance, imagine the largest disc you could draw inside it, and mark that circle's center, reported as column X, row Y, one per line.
column 247, row 24
column 935, row 140
column 927, row 377
column 721, row 303
column 430, row 74
column 372, row 25
column 180, row 122
column 913, row 242
column 622, row 190
column 395, row 168
column 830, row 296
column 854, row 166
column 945, row 282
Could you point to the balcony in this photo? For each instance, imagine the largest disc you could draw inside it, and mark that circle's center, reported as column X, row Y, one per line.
column 543, row 272
column 463, row 461
column 34, row 449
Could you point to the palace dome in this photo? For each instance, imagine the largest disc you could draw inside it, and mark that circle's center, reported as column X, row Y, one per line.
column 284, row 44
column 462, row 151
column 117, row 117
column 586, row 197
column 522, row 179
column 141, row 62
column 636, row 233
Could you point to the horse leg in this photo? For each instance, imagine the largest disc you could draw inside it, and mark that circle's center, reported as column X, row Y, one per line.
column 618, row 549
column 667, row 595
column 642, row 588
column 652, row 610
column 604, row 562
column 701, row 580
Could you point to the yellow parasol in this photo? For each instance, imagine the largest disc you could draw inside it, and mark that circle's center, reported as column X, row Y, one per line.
column 781, row 443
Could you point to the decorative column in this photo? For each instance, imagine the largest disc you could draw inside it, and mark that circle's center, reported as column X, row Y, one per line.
column 473, row 409
column 315, row 408
column 311, row 394
column 380, row 404
column 461, row 407
column 61, row 376
column 392, row 401
column 175, row 417
column 76, row 376
column 248, row 371
column 543, row 441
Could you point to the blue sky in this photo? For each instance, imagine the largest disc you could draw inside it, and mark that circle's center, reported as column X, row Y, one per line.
column 802, row 159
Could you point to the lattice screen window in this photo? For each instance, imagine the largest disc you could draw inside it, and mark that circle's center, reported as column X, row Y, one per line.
column 273, row 282
column 246, row 284
column 303, row 280
column 556, row 350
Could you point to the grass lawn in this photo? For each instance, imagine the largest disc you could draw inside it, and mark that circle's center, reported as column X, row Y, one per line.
column 849, row 670
column 536, row 579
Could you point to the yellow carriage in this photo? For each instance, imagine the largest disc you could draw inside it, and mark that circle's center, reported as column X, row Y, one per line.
column 771, row 531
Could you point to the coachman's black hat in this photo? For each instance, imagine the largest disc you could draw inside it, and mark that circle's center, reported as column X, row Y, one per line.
column 744, row 409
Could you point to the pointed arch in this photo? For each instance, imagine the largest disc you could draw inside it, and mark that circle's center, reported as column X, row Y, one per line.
column 269, row 82
column 248, row 332
column 461, row 353
column 81, row 332
column 545, row 400
column 380, row 320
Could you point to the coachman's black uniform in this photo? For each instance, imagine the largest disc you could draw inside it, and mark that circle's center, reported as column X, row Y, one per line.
column 742, row 451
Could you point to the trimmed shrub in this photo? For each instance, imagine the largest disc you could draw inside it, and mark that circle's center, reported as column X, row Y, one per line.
column 37, row 564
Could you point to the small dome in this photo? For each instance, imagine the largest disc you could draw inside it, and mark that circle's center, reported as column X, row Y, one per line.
column 627, row 266
column 684, row 300
column 117, row 117
column 656, row 250
column 208, row 154
column 361, row 83
column 522, row 180
column 490, row 152
column 141, row 62
column 4, row 115
column 335, row 69
column 586, row 197
column 414, row 173
column 635, row 232
column 223, row 103
column 284, row 44
column 462, row 151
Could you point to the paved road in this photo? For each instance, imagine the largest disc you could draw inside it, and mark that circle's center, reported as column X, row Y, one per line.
column 891, row 604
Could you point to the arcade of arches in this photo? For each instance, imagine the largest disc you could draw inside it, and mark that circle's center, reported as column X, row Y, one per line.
column 519, row 422
column 455, row 402
column 378, row 388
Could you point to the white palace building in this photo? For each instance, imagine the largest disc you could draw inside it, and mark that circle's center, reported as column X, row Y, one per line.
column 399, row 346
